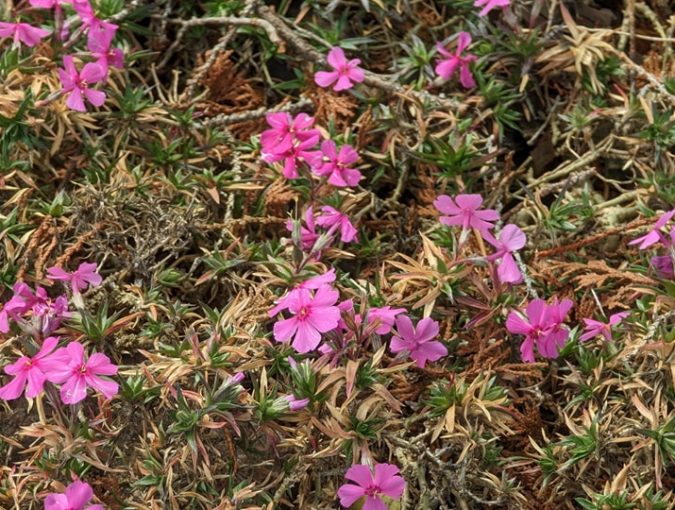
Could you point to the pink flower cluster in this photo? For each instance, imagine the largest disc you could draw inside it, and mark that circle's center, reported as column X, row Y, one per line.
column 543, row 327
column 76, row 497
column 67, row 366
column 35, row 313
column 76, row 84
column 664, row 265
column 315, row 311
column 465, row 211
column 293, row 142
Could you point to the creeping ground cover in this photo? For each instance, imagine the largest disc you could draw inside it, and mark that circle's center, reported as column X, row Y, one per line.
column 357, row 254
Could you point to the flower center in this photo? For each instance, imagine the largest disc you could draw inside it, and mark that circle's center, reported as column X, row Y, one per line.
column 303, row 313
column 83, row 369
column 373, row 490
column 344, row 70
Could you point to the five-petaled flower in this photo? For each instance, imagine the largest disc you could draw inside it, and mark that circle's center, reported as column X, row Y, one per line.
column 594, row 328
column 29, row 373
column 77, row 495
column 343, row 74
column 86, row 274
column 337, row 165
column 313, row 314
column 464, row 211
column 418, row 341
column 447, row 66
column 333, row 219
column 488, row 5
column 71, row 369
column 385, row 482
column 77, row 84
column 23, row 32
column 511, row 239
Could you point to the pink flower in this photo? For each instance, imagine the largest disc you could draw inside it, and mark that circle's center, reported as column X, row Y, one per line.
column 295, row 404
column 312, row 283
column 49, row 4
column 490, row 4
column 447, row 66
column 18, row 304
column 301, row 152
column 23, row 32
column 464, row 211
column 86, row 274
column 511, row 239
column 418, row 341
column 312, row 315
column 386, row 482
column 29, row 373
column 594, row 328
column 308, row 233
column 48, row 313
column 662, row 264
column 655, row 235
column 344, row 71
column 99, row 41
column 285, row 131
column 337, row 165
column 385, row 317
column 88, row 17
column 333, row 219
column 77, row 373
column 76, row 84
column 542, row 326
column 76, row 496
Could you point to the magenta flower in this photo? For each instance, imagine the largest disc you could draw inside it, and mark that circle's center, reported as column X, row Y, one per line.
column 333, row 219
column 594, row 328
column 386, row 482
column 511, row 239
column 99, row 41
column 490, row 4
column 308, row 233
column 662, row 264
column 418, row 341
column 337, row 164
column 285, row 130
column 312, row 283
column 76, row 373
column 655, row 235
column 447, row 66
column 344, row 71
column 542, row 325
column 301, row 152
column 76, row 84
column 296, row 404
column 23, row 32
column 48, row 313
column 88, row 17
column 22, row 301
column 29, row 373
column 463, row 211
column 49, row 4
column 385, row 317
column 86, row 274
column 77, row 495
column 312, row 315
